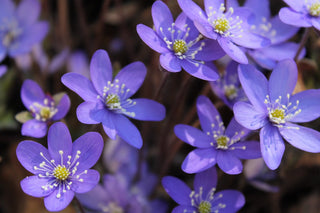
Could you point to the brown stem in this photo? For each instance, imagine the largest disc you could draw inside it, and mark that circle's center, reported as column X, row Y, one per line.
column 302, row 43
column 78, row 204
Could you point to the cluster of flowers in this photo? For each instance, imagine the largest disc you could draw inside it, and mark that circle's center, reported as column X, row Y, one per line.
column 247, row 34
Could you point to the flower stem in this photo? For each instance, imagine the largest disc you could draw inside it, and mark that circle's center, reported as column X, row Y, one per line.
column 78, row 205
column 225, row 5
column 164, row 80
column 302, row 43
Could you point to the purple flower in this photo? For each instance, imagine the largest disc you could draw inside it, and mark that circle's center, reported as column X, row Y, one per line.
column 228, row 87
column 301, row 13
column 79, row 63
column 204, row 198
column 19, row 28
column 3, row 70
column 215, row 145
column 180, row 44
column 61, row 170
column 275, row 30
column 108, row 101
column 229, row 26
column 274, row 109
column 43, row 109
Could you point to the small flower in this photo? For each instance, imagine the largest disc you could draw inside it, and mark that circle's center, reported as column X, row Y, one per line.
column 180, row 44
column 228, row 86
column 274, row 109
column 19, row 28
column 204, row 198
column 61, row 170
column 43, row 109
column 229, row 26
column 108, row 101
column 275, row 30
column 301, row 13
column 79, row 63
column 215, row 144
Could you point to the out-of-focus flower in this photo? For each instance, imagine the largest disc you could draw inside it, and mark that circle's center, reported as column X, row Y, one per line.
column 229, row 26
column 228, row 86
column 274, row 109
column 275, row 30
column 3, row 70
column 59, row 60
column 204, row 198
column 43, row 109
column 108, row 101
column 78, row 63
column 19, row 28
column 215, row 145
column 301, row 13
column 180, row 44
column 61, row 170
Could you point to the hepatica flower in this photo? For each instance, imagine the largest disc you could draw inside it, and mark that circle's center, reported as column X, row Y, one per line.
column 229, row 26
column 304, row 13
column 228, row 86
column 42, row 109
column 275, row 30
column 61, row 170
column 19, row 28
column 274, row 109
column 108, row 101
column 204, row 198
column 215, row 145
column 180, row 44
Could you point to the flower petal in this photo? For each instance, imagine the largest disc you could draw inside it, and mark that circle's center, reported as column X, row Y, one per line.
column 283, row 31
column 248, row 116
column 184, row 208
column 90, row 113
column 23, row 12
column 95, row 198
column 127, row 131
column 301, row 137
column 234, row 129
column 308, row 102
column 52, row 203
column 177, row 190
column 150, row 37
column 291, row 17
column 260, row 8
column 229, row 163
column 100, row 70
column 31, row 92
column 199, row 160
column 207, row 71
column 160, row 14
column 207, row 180
column 192, row 136
column 283, row 79
column 88, row 182
column 233, row 50
column 251, row 40
column 80, row 85
column 147, row 110
column 59, row 139
column 63, row 108
column 212, row 5
column 254, row 84
column 231, row 200
column 34, row 128
column 90, row 145
column 108, row 123
column 32, row 185
column 296, row 5
column 208, row 115
column 316, row 23
column 132, row 76
column 247, row 150
column 28, row 154
column 272, row 146
column 210, row 51
column 170, row 62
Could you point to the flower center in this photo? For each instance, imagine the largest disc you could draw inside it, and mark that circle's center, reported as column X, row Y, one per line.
column 277, row 116
column 204, row 207
column 230, row 91
column 314, row 9
column 45, row 113
column 180, row 46
column 222, row 142
column 113, row 101
column 61, row 172
column 221, row 25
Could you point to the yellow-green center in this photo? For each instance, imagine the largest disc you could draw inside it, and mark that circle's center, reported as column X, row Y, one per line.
column 222, row 141
column 204, row 207
column 45, row 113
column 113, row 101
column 180, row 46
column 314, row 9
column 278, row 114
column 61, row 172
column 221, row 25
column 230, row 92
